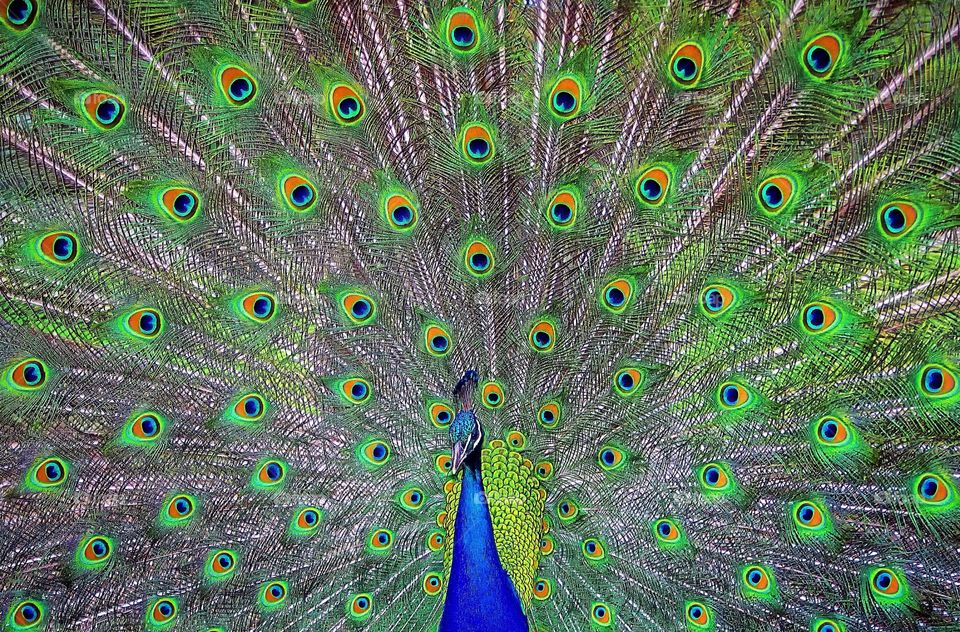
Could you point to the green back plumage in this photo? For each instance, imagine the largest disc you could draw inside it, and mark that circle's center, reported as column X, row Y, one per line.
column 703, row 255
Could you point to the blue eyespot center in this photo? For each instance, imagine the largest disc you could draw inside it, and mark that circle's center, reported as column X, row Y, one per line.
column 107, row 111
column 382, row 538
column 262, row 306
column 478, row 147
column 712, row 475
column 806, row 514
column 53, row 471
column 301, row 195
column 63, row 247
column 310, row 516
column 664, row 528
column 894, row 219
column 362, row 603
column 402, row 215
column 714, row 300
column 929, row 487
column 772, row 195
column 829, row 430
column 252, row 406
column 184, row 204
column 463, row 36
column 349, row 107
column 99, row 548
column 182, row 505
column 541, row 339
column 148, row 322
column 883, row 580
column 32, row 373
column 493, row 398
column 696, row 612
column 754, row 577
column 600, row 611
column 438, row 343
column 19, row 11
column 240, row 88
column 29, row 612
column 479, row 261
column 149, row 425
column 819, row 58
column 276, row 591
column 443, row 416
column 361, row 308
column 561, row 213
column 731, row 395
column 815, row 317
column 379, row 452
column 274, row 471
column 564, row 101
column 685, row 68
column 547, row 415
column 615, row 296
column 165, row 608
column 608, row 457
column 358, row 390
column 650, row 188
column 933, row 380
column 625, row 380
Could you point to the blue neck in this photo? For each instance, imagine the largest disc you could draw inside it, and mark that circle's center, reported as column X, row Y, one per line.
column 480, row 595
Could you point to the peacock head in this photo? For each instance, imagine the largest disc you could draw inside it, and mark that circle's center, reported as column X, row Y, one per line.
column 466, row 433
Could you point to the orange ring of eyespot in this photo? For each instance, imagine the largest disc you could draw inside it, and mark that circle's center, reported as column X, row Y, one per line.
column 48, row 243
column 432, row 332
column 347, row 389
column 942, row 491
column 341, row 92
column 841, row 429
column 90, row 554
column 290, row 184
column 18, row 377
column 541, row 589
column 702, row 619
column 670, row 537
column 544, row 469
column 546, row 545
column 352, row 299
column 41, row 472
column 227, row 77
column 764, row 578
column 624, row 286
column 786, row 190
column 133, row 322
column 832, row 46
column 21, row 620
column 443, row 463
column 550, row 407
column 217, row 566
column 172, row 507
column 606, row 613
column 93, row 101
column 692, row 51
column 894, row 586
column 661, row 177
column 432, row 584
column 302, row 520
column 725, row 294
column 169, row 199
column 829, row 316
column 159, row 616
column 268, row 595
column 817, row 519
column 567, row 84
column 571, row 508
column 240, row 409
column 722, row 480
column 635, row 374
column 355, row 605
column 436, row 409
column 516, row 439
column 138, row 425
column 463, row 18
column 742, row 394
column 435, row 541
column 493, row 387
column 564, row 197
column 265, row 478
column 473, row 132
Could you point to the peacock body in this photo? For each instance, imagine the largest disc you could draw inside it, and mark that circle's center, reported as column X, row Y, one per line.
column 695, row 264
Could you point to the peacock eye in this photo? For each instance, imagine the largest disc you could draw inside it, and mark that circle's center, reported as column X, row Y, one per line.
column 179, row 203
column 821, row 55
column 27, row 375
column 60, row 248
column 565, row 98
column 562, row 208
column 478, row 259
column 19, row 15
column 237, row 86
column 360, row 606
column 543, row 336
column 144, row 323
column 358, row 308
column 733, row 396
column 492, row 395
column 269, row 474
column 273, row 594
column 477, row 144
column 463, row 32
column 686, row 65
column 652, row 186
column 615, row 295
column 897, row 219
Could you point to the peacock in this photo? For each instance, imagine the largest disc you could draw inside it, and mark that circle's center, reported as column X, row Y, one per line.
column 479, row 316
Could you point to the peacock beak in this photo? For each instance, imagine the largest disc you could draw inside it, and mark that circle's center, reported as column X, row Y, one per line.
column 458, row 454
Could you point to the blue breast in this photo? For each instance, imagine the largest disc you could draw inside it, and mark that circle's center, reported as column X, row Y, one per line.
column 480, row 595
